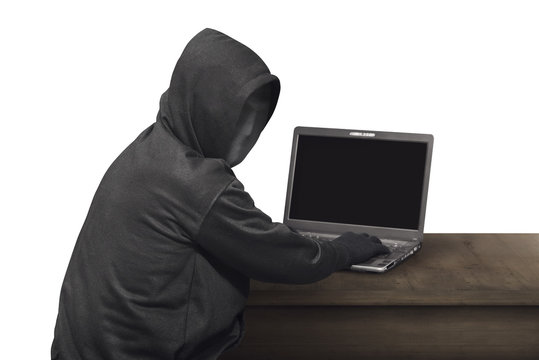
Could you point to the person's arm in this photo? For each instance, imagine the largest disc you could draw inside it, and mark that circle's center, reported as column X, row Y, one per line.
column 243, row 237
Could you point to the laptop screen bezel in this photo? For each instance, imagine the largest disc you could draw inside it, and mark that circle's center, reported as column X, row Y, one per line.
column 339, row 228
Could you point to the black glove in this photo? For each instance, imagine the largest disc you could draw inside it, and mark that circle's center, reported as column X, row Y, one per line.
column 360, row 247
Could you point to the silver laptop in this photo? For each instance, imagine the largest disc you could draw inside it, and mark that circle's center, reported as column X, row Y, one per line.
column 362, row 181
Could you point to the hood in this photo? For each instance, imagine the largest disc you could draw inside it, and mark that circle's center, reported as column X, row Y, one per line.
column 220, row 97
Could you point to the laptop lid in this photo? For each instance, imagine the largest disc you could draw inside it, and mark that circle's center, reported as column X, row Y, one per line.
column 357, row 180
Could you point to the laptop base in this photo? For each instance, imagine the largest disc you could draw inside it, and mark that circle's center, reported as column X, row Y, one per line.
column 381, row 265
column 400, row 251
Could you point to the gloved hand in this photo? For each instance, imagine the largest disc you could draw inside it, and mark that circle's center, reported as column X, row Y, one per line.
column 360, row 247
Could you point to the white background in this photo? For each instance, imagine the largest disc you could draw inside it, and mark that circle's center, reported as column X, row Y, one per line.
column 80, row 80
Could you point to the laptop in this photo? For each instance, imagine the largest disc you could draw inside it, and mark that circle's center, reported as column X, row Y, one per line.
column 363, row 181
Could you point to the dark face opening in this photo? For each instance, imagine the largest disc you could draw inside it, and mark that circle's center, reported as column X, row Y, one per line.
column 253, row 118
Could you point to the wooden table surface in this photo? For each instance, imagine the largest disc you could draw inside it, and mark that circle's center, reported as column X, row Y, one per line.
column 463, row 296
column 450, row 269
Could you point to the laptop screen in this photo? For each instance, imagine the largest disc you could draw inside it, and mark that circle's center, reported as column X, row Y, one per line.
column 358, row 181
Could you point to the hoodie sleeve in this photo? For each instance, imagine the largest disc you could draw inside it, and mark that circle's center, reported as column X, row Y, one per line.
column 243, row 237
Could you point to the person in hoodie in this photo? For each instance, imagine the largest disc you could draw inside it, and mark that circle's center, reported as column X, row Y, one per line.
column 162, row 264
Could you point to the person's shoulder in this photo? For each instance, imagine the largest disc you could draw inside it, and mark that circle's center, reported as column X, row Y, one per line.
column 160, row 151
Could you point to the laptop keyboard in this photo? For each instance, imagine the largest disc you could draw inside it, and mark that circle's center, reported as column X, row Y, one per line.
column 395, row 246
column 319, row 236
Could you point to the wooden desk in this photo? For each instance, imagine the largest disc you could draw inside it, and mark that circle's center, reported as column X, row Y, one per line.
column 463, row 296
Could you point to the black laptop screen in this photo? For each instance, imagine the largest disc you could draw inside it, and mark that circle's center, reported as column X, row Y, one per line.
column 358, row 181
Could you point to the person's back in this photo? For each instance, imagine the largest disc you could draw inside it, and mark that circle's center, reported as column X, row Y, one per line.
column 162, row 264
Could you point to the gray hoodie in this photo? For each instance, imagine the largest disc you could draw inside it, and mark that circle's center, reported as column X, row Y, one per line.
column 161, row 267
